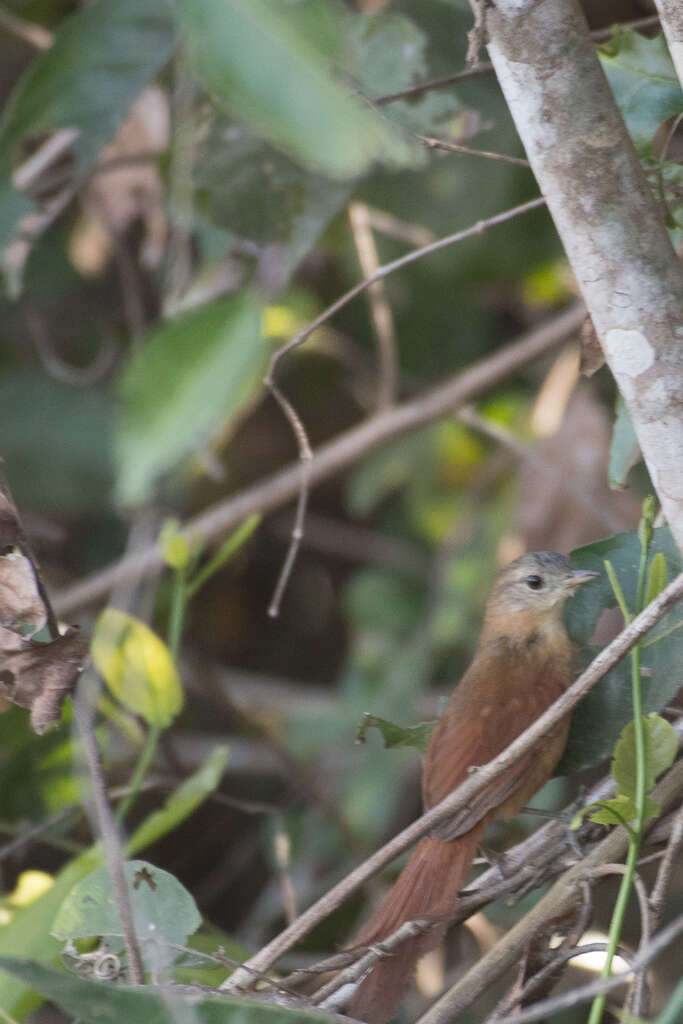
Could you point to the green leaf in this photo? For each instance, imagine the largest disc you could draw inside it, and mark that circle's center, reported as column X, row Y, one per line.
column 417, row 736
column 29, row 931
column 163, row 909
column 260, row 69
column 656, row 577
column 251, row 188
column 624, row 446
column 616, row 811
column 101, row 59
column 71, row 476
column 191, row 377
column 137, row 667
column 660, row 750
column 599, row 718
column 182, row 802
column 644, row 82
column 96, row 1002
column 372, row 44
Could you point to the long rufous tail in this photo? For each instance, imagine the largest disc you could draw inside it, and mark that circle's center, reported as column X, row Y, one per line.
column 427, row 887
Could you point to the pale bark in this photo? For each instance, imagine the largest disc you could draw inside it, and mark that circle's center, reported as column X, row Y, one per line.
column 671, row 18
column 614, row 237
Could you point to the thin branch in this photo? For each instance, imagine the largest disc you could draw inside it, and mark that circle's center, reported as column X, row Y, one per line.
column 305, row 459
column 663, row 880
column 563, row 957
column 394, row 227
column 455, row 147
column 485, row 69
column 83, row 714
column 382, row 317
column 477, row 781
column 388, row 268
column 502, row 436
column 637, row 990
column 32, row 33
column 560, row 898
column 547, row 1008
column 368, row 959
column 388, row 372
column 331, row 458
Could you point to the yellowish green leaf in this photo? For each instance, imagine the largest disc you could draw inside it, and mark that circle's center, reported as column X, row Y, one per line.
column 137, row 667
column 656, row 578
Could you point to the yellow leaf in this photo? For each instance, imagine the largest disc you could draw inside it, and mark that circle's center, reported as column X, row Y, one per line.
column 137, row 667
column 278, row 322
column 30, row 885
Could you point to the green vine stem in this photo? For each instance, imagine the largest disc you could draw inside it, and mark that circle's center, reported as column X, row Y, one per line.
column 636, row 833
column 185, row 586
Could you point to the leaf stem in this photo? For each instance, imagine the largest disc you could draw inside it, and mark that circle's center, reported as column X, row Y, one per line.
column 635, row 834
column 179, row 599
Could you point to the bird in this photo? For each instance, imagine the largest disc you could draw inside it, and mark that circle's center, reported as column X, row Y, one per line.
column 522, row 664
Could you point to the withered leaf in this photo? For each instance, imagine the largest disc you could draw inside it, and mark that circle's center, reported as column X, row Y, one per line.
column 21, row 605
column 39, row 676
column 24, row 606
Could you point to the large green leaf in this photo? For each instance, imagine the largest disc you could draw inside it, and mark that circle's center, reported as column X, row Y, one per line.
column 163, row 909
column 259, row 68
column 644, row 82
column 190, row 378
column 96, row 1002
column 387, row 52
column 101, row 58
column 600, row 717
column 245, row 184
column 55, row 443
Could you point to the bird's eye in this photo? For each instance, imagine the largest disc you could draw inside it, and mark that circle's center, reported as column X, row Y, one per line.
column 534, row 582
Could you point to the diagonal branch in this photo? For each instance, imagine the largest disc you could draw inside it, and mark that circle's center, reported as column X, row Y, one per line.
column 458, row 800
column 560, row 898
column 335, row 456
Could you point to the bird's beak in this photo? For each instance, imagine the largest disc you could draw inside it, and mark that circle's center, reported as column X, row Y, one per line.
column 579, row 576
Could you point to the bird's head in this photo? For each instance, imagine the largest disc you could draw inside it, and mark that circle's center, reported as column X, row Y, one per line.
column 537, row 584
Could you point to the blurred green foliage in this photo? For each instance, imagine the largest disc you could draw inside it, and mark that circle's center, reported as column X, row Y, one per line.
column 273, row 130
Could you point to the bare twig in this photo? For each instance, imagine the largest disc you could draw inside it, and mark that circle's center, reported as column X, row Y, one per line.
column 561, row 897
column 372, row 954
column 501, row 435
column 485, row 68
column 563, row 956
column 387, row 365
column 394, row 227
column 549, row 1007
column 382, row 317
column 32, row 33
column 455, row 147
column 305, row 459
column 476, row 782
column 83, row 714
column 280, row 488
column 637, row 991
column 388, row 268
column 659, row 890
